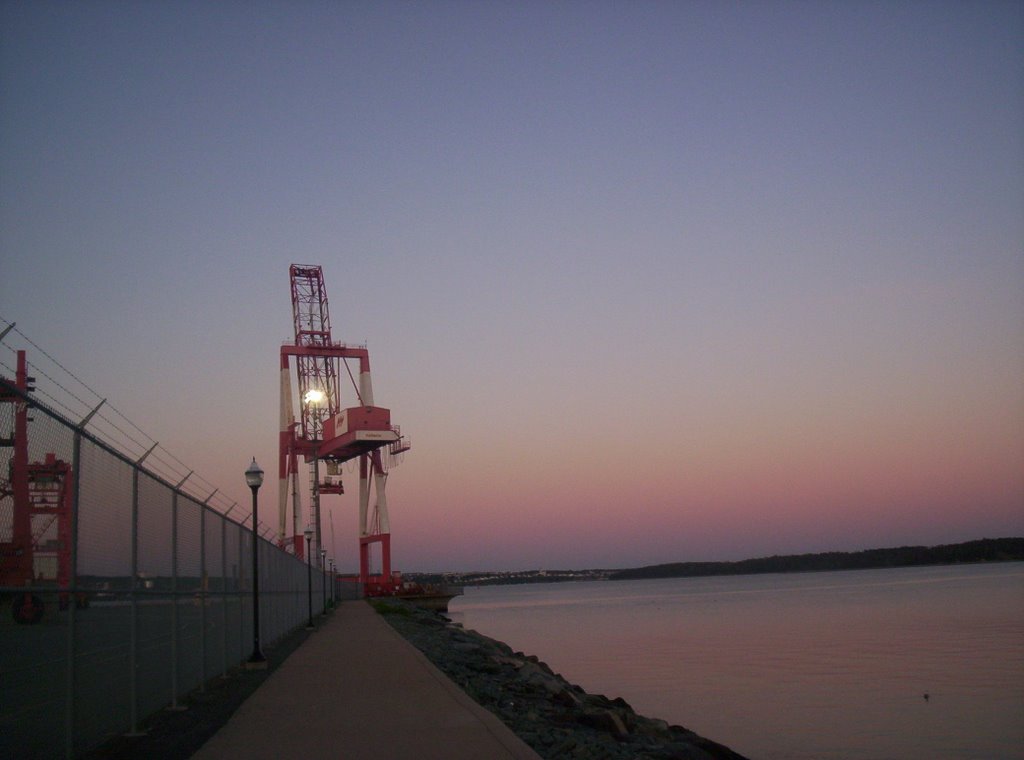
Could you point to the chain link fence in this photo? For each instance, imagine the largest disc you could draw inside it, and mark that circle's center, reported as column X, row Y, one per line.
column 135, row 593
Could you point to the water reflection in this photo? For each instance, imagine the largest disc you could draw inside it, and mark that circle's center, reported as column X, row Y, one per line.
column 816, row 665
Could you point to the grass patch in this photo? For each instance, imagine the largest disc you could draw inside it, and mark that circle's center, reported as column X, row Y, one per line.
column 389, row 608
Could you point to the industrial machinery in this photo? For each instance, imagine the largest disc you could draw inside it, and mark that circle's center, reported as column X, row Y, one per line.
column 330, row 434
column 35, row 509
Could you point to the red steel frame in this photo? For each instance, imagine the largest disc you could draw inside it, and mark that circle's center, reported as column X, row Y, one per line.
column 387, row 581
column 326, row 431
column 40, row 495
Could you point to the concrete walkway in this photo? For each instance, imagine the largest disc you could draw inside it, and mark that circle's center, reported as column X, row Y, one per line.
column 356, row 689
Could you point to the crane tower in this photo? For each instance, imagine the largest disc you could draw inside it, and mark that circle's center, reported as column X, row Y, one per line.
column 328, row 432
column 35, row 509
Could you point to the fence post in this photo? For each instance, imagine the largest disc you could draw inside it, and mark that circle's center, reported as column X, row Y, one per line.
column 224, row 589
column 133, row 652
column 202, row 599
column 174, row 602
column 69, row 708
column 242, row 533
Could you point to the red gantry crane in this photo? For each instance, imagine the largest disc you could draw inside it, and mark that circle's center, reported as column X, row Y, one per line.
column 327, row 432
column 35, row 509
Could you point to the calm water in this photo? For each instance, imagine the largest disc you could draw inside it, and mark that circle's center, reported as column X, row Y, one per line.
column 822, row 666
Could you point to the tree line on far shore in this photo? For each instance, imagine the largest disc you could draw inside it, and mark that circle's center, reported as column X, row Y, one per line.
column 982, row 550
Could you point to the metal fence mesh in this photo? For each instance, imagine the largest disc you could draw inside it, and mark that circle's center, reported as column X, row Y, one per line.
column 154, row 599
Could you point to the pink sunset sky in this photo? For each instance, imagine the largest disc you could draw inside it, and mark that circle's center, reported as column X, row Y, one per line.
column 643, row 282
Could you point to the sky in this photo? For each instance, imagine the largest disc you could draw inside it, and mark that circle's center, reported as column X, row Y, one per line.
column 643, row 282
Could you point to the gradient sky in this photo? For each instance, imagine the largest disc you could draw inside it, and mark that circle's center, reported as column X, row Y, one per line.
column 644, row 282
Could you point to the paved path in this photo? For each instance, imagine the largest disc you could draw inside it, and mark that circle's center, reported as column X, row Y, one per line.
column 356, row 689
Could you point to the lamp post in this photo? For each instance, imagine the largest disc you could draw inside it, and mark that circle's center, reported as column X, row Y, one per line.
column 313, row 399
column 254, row 479
column 308, row 533
column 323, row 577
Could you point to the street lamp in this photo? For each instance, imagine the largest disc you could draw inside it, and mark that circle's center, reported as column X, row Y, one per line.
column 314, row 396
column 323, row 577
column 308, row 533
column 254, row 479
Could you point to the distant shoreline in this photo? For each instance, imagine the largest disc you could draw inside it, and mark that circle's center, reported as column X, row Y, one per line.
column 983, row 550
column 967, row 552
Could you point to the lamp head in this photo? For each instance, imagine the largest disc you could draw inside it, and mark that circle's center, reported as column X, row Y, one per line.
column 308, row 533
column 314, row 396
column 254, row 475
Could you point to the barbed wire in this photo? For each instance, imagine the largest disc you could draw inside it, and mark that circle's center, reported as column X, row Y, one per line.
column 97, row 416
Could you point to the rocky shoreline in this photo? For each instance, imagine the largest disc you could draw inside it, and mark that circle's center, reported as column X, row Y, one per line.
column 556, row 718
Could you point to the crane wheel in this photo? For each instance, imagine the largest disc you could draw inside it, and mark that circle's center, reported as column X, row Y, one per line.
column 27, row 609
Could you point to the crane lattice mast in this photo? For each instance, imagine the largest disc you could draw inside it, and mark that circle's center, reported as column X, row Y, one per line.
column 317, row 373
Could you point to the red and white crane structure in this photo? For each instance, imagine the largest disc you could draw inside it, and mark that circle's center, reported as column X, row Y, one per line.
column 35, row 509
column 325, row 431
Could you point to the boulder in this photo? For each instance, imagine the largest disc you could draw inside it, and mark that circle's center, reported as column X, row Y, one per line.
column 608, row 721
